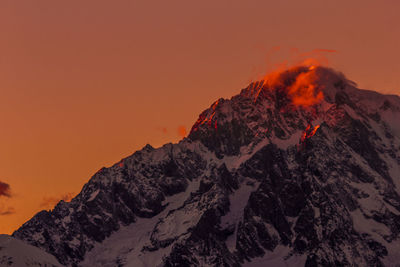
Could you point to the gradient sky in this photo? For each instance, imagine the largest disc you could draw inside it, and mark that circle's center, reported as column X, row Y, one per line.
column 86, row 83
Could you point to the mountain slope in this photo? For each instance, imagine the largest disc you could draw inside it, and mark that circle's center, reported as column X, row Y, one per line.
column 14, row 252
column 301, row 168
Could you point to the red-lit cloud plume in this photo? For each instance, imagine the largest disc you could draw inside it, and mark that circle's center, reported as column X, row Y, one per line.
column 281, row 57
column 4, row 189
column 319, row 55
column 50, row 202
column 304, row 89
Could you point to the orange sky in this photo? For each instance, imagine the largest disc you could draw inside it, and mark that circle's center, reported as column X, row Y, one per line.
column 86, row 83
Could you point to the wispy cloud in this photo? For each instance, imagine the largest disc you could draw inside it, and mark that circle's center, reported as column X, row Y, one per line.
column 4, row 211
column 49, row 202
column 164, row 130
column 182, row 131
column 325, row 50
column 5, row 189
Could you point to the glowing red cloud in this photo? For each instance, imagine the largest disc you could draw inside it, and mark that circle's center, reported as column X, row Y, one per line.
column 300, row 83
column 182, row 131
column 304, row 91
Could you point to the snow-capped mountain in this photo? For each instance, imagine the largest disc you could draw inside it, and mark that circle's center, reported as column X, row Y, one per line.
column 300, row 169
column 15, row 253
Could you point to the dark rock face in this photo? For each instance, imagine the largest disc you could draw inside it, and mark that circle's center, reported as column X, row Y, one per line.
column 113, row 197
column 256, row 176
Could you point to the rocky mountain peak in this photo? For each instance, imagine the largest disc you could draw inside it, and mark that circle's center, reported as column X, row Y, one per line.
column 283, row 103
column 299, row 86
column 301, row 169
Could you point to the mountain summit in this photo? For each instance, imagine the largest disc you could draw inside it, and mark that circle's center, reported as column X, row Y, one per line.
column 299, row 169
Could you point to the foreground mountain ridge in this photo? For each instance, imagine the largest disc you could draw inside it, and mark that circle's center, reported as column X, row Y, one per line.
column 15, row 253
column 301, row 168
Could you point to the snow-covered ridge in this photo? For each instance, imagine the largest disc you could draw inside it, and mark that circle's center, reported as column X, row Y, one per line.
column 15, row 253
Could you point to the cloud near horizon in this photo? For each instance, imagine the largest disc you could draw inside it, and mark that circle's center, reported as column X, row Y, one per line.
column 4, row 211
column 5, row 189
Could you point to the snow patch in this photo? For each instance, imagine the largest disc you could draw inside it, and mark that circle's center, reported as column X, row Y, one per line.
column 293, row 140
column 125, row 246
column 369, row 226
column 14, row 252
column 238, row 201
column 93, row 195
column 280, row 257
